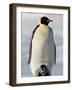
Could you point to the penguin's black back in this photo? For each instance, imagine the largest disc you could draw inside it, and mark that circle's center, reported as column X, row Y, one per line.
column 30, row 50
column 34, row 31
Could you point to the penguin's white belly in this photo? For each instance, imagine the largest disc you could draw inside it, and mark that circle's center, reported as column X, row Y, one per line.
column 42, row 49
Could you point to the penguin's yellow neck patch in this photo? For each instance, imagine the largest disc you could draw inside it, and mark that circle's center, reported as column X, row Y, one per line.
column 43, row 28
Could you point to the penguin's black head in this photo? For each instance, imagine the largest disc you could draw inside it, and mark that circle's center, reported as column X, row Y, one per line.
column 44, row 71
column 45, row 20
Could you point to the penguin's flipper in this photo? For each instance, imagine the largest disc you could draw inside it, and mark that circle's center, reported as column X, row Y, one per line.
column 54, row 44
column 55, row 52
column 30, row 50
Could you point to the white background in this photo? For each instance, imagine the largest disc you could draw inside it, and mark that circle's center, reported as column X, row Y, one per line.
column 4, row 45
column 59, row 34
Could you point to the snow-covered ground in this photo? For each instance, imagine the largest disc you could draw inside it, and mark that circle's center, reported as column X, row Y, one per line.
column 29, row 21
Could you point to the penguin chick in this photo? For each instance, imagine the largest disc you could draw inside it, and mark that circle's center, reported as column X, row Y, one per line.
column 44, row 71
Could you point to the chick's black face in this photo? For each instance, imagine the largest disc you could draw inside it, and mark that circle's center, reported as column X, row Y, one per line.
column 45, row 20
column 44, row 71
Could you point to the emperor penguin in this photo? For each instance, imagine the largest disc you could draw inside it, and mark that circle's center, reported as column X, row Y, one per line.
column 42, row 55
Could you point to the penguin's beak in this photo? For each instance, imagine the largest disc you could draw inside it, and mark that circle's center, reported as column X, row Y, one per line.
column 50, row 20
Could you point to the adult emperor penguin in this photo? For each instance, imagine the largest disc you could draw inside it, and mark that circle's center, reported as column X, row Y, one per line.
column 42, row 54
